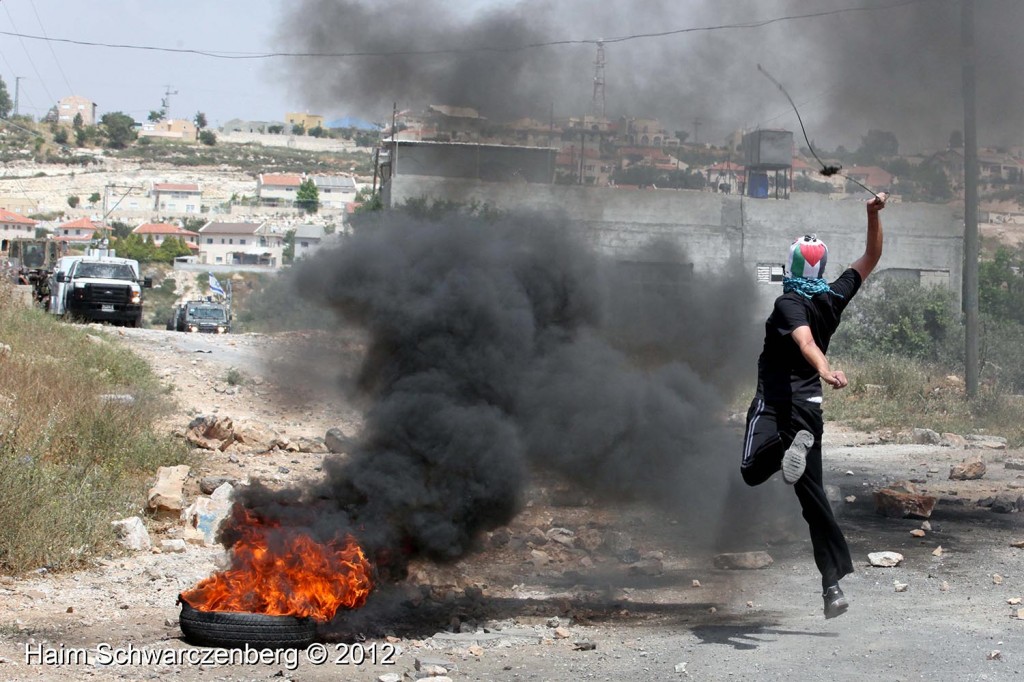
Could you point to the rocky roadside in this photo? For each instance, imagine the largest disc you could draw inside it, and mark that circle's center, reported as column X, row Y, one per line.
column 577, row 587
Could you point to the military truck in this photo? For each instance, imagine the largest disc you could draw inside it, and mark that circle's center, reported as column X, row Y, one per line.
column 28, row 263
column 201, row 315
column 99, row 287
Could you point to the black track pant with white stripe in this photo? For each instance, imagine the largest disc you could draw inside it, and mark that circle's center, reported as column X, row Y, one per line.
column 771, row 428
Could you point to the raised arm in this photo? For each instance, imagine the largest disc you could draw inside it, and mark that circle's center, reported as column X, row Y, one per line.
column 873, row 249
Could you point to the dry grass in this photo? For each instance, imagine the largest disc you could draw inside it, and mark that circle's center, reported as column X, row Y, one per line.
column 898, row 393
column 71, row 461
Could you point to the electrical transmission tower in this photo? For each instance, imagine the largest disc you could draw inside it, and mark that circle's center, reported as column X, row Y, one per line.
column 597, row 104
column 165, row 103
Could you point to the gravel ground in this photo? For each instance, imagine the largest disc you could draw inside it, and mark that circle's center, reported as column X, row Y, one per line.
column 566, row 614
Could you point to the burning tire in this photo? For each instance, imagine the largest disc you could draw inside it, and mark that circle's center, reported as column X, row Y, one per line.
column 231, row 629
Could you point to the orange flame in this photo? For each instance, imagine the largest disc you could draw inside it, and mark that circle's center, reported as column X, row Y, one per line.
column 305, row 578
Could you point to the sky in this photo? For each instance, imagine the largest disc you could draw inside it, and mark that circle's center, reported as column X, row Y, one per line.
column 850, row 65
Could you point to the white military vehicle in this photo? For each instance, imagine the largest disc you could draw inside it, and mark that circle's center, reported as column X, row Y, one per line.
column 98, row 287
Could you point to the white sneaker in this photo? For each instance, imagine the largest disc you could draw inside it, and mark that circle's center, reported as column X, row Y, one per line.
column 795, row 460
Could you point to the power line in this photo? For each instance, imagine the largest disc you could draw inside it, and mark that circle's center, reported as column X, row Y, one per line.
column 466, row 50
column 71, row 90
column 28, row 55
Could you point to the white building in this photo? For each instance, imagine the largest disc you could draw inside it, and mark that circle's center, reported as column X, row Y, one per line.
column 240, row 244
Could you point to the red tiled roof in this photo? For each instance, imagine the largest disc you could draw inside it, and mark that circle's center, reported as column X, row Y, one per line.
column 12, row 217
column 281, row 179
column 80, row 224
column 174, row 187
column 163, row 228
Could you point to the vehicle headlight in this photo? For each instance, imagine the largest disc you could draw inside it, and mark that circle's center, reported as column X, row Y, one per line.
column 136, row 297
column 193, row 328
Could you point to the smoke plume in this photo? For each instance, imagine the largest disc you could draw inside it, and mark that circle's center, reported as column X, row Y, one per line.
column 498, row 349
column 856, row 65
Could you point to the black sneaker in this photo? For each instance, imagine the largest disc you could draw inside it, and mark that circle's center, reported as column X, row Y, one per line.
column 795, row 460
column 835, row 602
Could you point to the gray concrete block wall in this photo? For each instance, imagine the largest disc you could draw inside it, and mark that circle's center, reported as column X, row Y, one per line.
column 714, row 228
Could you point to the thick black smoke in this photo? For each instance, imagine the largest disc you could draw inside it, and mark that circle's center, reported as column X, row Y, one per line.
column 497, row 349
column 895, row 66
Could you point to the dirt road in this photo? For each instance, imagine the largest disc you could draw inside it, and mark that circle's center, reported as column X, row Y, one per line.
column 625, row 606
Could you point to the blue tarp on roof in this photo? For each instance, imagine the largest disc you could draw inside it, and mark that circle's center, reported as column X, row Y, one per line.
column 353, row 122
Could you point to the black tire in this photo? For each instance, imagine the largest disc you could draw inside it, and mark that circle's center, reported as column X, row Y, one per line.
column 170, row 324
column 232, row 630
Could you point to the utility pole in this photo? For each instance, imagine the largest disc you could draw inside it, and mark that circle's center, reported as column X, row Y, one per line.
column 696, row 130
column 165, row 103
column 971, row 247
column 17, row 92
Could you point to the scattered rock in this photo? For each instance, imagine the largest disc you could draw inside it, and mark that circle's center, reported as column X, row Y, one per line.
column 390, row 677
column 994, row 655
column 681, row 668
column 743, row 560
column 971, row 469
column 562, row 536
column 925, row 437
column 850, row 499
column 926, row 525
column 585, row 645
column 132, row 534
column 997, row 579
column 944, row 587
column 1020, row 614
column 979, row 441
column 902, row 500
column 206, row 513
column 937, row 551
column 1019, row 544
column 1013, row 601
column 174, row 545
column 536, row 537
column 712, row 610
column 539, row 558
column 953, row 440
column 900, row 587
column 617, row 542
column 207, row 484
column 650, row 567
column 1014, row 463
column 167, row 495
column 917, row 533
column 695, row 583
column 1004, row 504
column 885, row 559
column 210, row 432
column 561, row 633
column 337, row 442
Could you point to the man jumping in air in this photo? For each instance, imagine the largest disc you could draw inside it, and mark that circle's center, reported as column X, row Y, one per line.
column 784, row 422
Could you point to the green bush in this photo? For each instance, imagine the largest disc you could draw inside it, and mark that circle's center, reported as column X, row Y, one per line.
column 895, row 317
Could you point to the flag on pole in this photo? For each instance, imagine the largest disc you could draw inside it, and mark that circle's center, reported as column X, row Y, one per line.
column 215, row 286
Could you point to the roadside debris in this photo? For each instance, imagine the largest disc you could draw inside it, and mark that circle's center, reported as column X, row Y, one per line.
column 971, row 469
column 167, row 497
column 900, row 587
column 743, row 561
column 132, row 534
column 902, row 500
column 885, row 559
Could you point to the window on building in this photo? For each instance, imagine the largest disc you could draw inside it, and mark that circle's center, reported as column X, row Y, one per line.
column 242, row 242
column 231, row 240
column 209, row 240
column 770, row 272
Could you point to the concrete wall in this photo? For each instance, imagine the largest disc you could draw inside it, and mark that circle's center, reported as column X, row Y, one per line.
column 714, row 228
column 303, row 142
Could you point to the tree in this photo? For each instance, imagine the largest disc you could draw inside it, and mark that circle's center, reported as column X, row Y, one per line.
column 298, row 129
column 317, row 132
column 288, row 253
column 61, row 136
column 208, row 137
column 155, row 116
column 877, row 144
column 120, row 229
column 308, row 196
column 120, row 129
column 200, row 120
column 5, row 100
column 73, row 201
column 94, row 198
column 275, row 129
column 78, row 122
